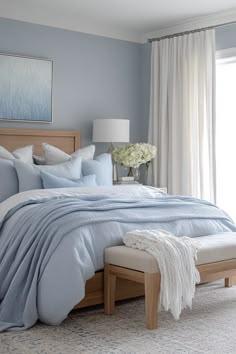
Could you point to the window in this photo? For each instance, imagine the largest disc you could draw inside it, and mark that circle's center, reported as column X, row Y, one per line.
column 226, row 131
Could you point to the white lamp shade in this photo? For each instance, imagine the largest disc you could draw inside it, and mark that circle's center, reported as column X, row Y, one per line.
column 111, row 130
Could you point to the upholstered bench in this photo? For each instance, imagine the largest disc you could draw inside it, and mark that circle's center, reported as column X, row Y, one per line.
column 216, row 260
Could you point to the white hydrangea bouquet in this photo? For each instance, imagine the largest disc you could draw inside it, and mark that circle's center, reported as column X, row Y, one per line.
column 134, row 155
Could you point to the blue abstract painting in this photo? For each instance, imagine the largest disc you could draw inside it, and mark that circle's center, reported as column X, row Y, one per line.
column 25, row 89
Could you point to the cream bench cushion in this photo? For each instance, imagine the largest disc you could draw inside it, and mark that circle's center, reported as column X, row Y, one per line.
column 212, row 248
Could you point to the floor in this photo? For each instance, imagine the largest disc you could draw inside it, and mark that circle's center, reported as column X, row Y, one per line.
column 209, row 328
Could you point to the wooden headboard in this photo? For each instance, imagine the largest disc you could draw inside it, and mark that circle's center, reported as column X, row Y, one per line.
column 66, row 140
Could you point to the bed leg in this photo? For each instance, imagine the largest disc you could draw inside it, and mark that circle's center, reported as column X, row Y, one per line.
column 109, row 290
column 152, row 289
column 228, row 282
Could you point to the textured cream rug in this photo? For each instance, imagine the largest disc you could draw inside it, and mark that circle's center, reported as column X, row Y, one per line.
column 209, row 328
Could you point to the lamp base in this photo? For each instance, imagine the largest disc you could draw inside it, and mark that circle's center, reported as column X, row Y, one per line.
column 114, row 165
column 110, row 149
column 115, row 174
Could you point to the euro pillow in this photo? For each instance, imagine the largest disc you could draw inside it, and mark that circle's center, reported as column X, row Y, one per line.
column 24, row 154
column 51, row 181
column 8, row 179
column 101, row 166
column 54, row 155
column 29, row 175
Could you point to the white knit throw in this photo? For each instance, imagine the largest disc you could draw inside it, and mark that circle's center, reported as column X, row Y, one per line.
column 175, row 257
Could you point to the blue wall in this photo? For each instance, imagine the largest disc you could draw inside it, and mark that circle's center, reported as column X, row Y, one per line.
column 226, row 36
column 94, row 77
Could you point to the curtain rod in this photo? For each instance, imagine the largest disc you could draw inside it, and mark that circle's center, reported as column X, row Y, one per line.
column 188, row 32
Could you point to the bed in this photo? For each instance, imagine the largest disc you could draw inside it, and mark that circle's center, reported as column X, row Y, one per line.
column 68, row 141
column 112, row 205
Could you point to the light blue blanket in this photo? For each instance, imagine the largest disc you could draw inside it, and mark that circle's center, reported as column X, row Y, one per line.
column 33, row 233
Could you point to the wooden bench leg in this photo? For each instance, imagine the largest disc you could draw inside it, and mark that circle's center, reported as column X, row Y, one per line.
column 228, row 282
column 109, row 290
column 152, row 289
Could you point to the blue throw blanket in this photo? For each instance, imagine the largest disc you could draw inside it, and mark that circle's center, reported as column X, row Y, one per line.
column 39, row 227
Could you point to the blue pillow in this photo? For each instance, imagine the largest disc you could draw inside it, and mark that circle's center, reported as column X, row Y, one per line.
column 9, row 184
column 101, row 166
column 51, row 181
column 29, row 175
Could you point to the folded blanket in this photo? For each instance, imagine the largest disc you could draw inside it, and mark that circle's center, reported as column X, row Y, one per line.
column 175, row 257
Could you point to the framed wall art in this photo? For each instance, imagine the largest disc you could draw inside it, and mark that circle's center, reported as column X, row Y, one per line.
column 25, row 89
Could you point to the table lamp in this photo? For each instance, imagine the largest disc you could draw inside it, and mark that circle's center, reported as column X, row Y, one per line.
column 111, row 131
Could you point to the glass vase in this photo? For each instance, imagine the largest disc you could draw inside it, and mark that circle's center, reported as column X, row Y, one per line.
column 134, row 172
column 146, row 166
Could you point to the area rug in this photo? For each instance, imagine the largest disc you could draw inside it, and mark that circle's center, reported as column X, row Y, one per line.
column 209, row 328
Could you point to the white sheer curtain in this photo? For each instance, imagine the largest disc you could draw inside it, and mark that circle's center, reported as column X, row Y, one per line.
column 182, row 114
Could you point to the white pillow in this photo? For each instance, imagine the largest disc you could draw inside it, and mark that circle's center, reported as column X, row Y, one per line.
column 24, row 154
column 53, row 155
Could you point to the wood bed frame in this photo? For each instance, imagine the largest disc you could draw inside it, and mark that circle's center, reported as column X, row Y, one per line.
column 68, row 141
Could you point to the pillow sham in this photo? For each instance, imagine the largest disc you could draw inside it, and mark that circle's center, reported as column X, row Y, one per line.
column 29, row 175
column 24, row 154
column 54, row 155
column 8, row 179
column 52, row 181
column 101, row 166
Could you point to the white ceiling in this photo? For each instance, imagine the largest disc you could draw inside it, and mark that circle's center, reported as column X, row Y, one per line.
column 124, row 19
